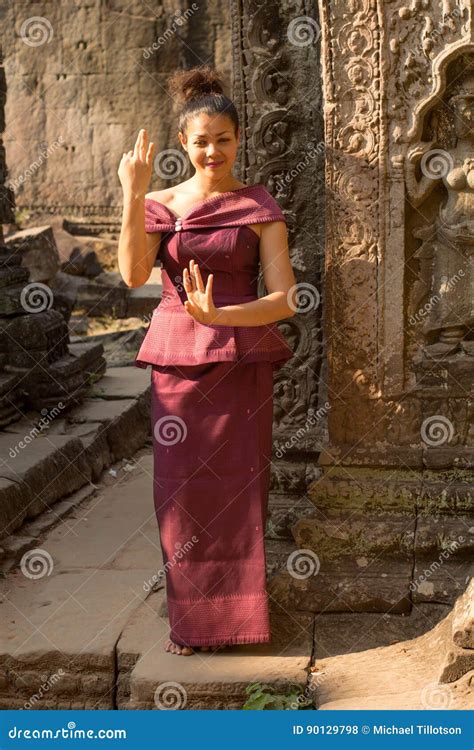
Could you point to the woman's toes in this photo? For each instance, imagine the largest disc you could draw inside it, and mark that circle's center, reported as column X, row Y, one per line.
column 175, row 648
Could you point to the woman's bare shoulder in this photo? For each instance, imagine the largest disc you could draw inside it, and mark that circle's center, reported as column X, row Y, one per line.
column 162, row 196
column 171, row 197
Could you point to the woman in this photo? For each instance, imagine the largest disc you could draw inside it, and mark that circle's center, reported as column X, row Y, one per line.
column 213, row 346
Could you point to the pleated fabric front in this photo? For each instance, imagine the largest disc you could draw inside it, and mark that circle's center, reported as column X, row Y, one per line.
column 211, row 420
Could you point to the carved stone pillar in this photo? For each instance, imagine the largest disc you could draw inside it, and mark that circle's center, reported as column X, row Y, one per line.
column 277, row 90
column 394, row 507
column 391, row 519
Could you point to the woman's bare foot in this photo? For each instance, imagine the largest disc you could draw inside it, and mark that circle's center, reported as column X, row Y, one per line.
column 175, row 648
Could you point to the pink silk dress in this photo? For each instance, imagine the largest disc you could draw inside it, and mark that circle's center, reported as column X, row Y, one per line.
column 211, row 414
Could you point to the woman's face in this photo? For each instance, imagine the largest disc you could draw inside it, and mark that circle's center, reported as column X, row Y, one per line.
column 212, row 144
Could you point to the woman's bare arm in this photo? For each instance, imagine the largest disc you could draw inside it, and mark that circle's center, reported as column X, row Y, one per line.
column 137, row 250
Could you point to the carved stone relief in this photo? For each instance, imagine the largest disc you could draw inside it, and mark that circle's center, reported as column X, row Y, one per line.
column 280, row 115
column 399, row 87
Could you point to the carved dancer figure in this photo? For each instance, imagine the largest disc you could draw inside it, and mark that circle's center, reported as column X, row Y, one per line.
column 446, row 253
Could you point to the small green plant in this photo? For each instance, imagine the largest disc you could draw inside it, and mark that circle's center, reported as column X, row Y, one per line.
column 21, row 215
column 265, row 698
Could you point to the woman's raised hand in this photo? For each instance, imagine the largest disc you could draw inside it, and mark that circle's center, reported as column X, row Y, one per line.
column 199, row 304
column 136, row 166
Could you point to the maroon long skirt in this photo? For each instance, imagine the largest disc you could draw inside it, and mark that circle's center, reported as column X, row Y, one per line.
column 212, row 443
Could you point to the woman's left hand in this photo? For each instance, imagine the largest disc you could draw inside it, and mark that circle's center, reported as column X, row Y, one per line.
column 199, row 304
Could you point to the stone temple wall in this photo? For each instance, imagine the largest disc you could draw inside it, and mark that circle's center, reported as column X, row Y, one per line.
column 368, row 104
column 83, row 77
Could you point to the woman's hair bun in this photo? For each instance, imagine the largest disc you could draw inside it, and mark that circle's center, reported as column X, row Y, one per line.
column 185, row 85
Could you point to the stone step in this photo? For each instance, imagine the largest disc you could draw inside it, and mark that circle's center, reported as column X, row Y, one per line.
column 70, row 449
column 150, row 677
column 64, row 609
column 82, row 627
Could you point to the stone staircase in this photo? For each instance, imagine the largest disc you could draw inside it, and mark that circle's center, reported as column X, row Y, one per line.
column 82, row 627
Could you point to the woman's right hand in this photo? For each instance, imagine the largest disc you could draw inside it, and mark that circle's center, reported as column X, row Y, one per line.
column 136, row 166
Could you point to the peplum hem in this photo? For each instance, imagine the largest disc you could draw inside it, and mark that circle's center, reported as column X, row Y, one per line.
column 175, row 338
column 277, row 359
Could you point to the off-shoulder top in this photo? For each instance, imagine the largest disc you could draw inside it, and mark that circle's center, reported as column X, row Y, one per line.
column 215, row 233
